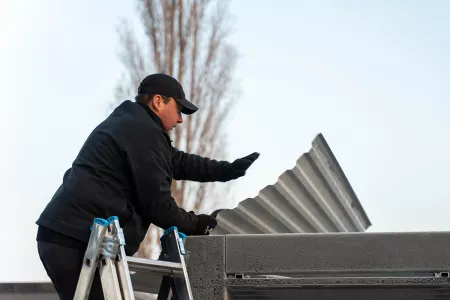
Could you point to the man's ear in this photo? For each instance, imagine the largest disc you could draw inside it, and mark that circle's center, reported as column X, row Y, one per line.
column 157, row 102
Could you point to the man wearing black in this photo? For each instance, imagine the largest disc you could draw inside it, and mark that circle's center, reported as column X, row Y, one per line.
column 125, row 169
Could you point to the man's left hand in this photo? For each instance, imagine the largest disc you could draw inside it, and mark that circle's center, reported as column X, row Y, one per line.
column 240, row 165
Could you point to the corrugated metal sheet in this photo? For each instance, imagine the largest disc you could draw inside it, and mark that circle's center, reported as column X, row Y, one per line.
column 314, row 196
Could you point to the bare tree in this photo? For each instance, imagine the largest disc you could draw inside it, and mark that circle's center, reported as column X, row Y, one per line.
column 188, row 40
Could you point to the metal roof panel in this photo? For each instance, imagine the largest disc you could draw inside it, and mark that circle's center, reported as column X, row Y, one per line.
column 314, row 196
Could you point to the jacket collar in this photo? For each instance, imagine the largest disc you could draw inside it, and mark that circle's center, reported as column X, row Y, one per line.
column 157, row 120
column 152, row 115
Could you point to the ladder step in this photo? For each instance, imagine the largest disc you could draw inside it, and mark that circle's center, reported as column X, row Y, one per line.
column 147, row 274
column 155, row 266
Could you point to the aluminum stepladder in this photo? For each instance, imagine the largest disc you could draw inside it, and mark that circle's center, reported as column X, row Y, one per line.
column 106, row 252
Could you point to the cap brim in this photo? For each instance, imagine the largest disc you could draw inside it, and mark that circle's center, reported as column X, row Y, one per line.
column 188, row 107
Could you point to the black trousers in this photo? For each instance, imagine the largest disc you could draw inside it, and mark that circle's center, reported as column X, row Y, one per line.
column 63, row 266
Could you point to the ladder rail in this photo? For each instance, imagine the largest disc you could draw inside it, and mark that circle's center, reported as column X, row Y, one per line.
column 90, row 260
column 121, row 261
column 109, row 279
column 173, row 249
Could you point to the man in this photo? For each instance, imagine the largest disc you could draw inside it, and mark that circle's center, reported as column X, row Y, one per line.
column 125, row 169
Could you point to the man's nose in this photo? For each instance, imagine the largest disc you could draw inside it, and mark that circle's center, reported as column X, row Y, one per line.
column 180, row 119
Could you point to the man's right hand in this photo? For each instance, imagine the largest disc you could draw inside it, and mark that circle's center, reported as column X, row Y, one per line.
column 205, row 224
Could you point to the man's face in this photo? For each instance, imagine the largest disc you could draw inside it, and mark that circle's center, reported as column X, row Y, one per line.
column 169, row 113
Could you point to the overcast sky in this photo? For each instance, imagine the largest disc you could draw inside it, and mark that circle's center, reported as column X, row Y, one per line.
column 372, row 76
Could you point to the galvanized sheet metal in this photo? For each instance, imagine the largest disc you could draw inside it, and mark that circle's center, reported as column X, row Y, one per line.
column 314, row 196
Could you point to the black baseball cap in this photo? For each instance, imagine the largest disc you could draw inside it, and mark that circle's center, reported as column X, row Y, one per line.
column 168, row 86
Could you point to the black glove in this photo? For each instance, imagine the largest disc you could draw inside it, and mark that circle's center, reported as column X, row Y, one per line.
column 205, row 224
column 238, row 168
column 216, row 212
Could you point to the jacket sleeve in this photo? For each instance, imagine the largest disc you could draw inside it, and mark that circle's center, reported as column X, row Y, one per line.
column 152, row 179
column 197, row 168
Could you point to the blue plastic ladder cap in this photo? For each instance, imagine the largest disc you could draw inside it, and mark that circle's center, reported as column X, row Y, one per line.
column 170, row 229
column 112, row 219
column 101, row 221
column 182, row 235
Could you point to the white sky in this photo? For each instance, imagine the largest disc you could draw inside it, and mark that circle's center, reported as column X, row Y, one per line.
column 371, row 76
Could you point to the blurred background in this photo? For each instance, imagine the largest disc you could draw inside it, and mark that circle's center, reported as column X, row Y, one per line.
column 268, row 76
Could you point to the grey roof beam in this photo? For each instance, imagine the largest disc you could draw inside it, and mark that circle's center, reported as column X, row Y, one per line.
column 309, row 253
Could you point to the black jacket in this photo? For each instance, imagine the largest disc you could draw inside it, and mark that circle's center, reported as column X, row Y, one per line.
column 125, row 169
